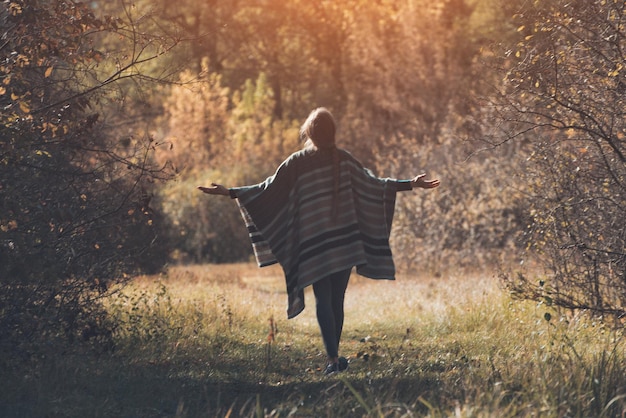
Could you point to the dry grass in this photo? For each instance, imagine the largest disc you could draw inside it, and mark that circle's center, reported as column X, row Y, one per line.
column 214, row 341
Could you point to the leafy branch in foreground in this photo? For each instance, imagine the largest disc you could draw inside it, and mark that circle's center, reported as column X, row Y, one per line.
column 75, row 214
column 564, row 97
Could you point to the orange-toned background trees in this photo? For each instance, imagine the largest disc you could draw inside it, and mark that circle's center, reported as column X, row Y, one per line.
column 397, row 75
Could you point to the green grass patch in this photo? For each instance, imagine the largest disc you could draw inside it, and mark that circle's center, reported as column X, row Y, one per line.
column 214, row 341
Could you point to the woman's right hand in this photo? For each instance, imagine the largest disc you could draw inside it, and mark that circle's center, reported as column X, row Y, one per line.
column 217, row 189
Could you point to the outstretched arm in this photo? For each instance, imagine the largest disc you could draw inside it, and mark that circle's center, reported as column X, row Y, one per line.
column 217, row 189
column 421, row 182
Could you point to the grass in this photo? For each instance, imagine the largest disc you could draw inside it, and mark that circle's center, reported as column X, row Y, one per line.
column 214, row 341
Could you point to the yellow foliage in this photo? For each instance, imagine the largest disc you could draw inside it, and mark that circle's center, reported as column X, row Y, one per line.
column 196, row 111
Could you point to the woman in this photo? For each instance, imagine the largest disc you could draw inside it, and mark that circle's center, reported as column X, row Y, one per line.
column 321, row 214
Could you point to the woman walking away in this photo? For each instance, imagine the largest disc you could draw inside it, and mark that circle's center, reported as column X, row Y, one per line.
column 321, row 214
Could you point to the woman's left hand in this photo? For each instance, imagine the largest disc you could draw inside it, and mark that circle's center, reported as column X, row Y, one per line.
column 215, row 189
column 421, row 182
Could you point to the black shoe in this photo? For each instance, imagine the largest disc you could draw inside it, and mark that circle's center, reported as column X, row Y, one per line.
column 343, row 364
column 333, row 368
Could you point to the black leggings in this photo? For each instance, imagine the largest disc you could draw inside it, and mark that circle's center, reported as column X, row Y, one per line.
column 329, row 295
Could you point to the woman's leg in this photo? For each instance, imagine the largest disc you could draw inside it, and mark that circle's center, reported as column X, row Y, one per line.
column 329, row 298
column 340, row 284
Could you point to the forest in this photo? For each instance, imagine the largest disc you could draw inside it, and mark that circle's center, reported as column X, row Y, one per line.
column 112, row 112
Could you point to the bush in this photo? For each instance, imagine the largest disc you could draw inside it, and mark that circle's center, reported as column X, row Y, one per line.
column 564, row 96
column 75, row 213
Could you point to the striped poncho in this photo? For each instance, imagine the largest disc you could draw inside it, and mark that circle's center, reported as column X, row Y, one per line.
column 290, row 220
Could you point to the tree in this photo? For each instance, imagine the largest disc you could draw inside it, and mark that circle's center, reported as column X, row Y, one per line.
column 75, row 214
column 409, row 69
column 195, row 115
column 397, row 76
column 564, row 97
column 208, row 29
column 218, row 137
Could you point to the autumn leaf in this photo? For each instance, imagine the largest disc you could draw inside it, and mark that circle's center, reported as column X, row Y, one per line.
column 48, row 72
column 43, row 153
column 24, row 107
